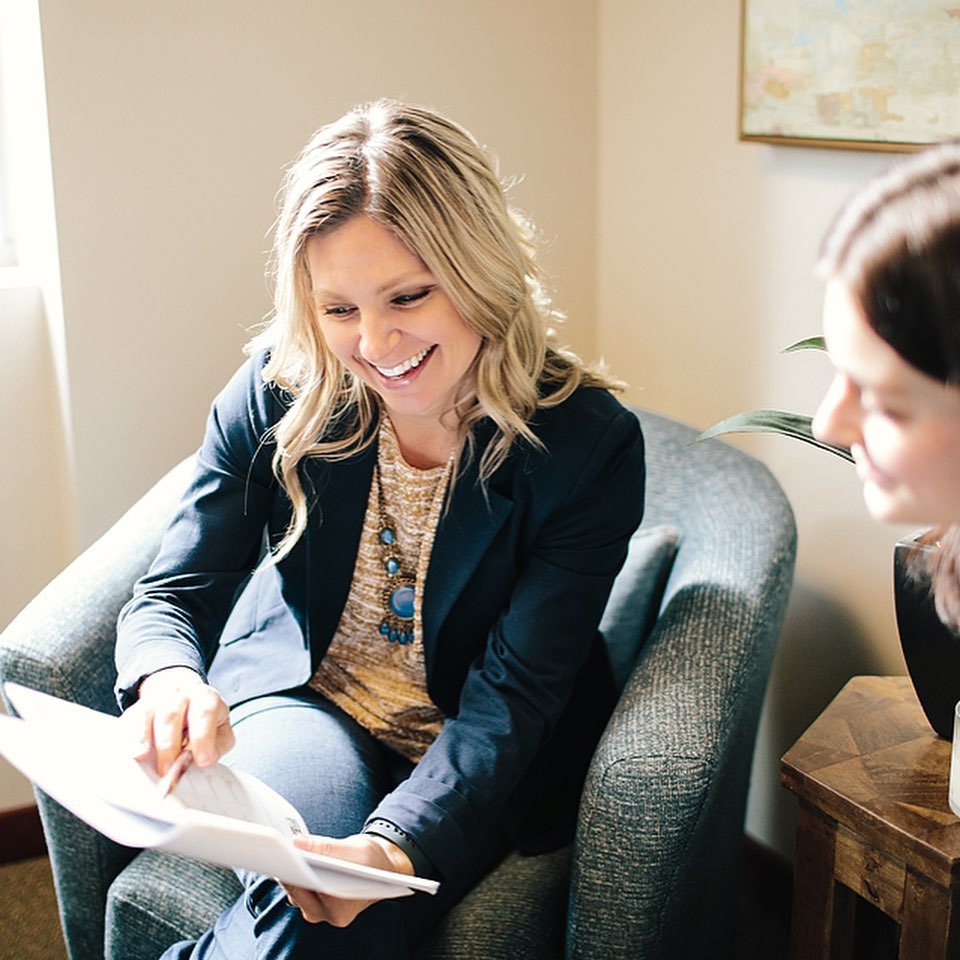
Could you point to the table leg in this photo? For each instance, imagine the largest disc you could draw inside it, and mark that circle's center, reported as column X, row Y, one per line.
column 930, row 928
column 822, row 922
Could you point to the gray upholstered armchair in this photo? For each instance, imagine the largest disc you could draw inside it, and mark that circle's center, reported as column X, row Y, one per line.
column 692, row 625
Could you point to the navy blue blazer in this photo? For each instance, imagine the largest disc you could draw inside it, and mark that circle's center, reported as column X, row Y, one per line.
column 519, row 575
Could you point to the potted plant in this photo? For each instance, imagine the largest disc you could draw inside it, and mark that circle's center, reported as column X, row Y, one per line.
column 794, row 425
column 931, row 650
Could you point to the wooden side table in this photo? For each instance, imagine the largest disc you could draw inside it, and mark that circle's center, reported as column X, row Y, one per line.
column 871, row 777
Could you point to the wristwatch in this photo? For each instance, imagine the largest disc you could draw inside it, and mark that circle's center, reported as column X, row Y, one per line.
column 379, row 827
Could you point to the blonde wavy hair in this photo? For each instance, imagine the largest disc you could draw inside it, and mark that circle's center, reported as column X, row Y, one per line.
column 426, row 179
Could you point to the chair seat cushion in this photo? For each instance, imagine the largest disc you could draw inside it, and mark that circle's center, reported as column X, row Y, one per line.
column 518, row 910
column 161, row 898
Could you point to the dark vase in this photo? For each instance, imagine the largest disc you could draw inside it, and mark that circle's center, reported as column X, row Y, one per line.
column 930, row 649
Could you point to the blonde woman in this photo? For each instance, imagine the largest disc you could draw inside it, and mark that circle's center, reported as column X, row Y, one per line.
column 384, row 583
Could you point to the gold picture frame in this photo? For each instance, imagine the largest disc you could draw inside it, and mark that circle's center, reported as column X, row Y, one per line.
column 853, row 74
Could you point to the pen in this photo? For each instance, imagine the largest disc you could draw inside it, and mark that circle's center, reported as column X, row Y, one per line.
column 167, row 783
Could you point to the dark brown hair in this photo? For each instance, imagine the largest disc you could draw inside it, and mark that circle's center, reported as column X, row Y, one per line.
column 895, row 245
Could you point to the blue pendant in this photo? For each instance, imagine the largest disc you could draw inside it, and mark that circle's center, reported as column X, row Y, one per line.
column 401, row 602
column 398, row 593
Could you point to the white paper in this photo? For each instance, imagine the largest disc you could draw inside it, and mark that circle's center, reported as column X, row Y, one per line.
column 82, row 759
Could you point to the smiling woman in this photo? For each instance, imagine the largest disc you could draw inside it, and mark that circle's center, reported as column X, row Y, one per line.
column 891, row 319
column 397, row 330
column 892, row 265
column 902, row 425
column 444, row 497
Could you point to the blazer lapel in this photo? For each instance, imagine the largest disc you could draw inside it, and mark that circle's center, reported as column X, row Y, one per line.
column 463, row 537
column 333, row 537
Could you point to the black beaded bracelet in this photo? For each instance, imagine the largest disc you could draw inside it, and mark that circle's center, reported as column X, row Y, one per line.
column 422, row 867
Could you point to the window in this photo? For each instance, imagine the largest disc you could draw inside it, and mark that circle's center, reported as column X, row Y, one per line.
column 8, row 250
column 27, row 220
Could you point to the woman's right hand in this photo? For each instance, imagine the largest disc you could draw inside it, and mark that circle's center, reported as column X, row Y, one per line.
column 177, row 710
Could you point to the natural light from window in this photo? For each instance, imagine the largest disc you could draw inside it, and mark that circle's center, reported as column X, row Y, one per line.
column 31, row 302
column 8, row 250
column 27, row 220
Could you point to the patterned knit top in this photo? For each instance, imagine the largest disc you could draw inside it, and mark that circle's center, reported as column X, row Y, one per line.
column 382, row 684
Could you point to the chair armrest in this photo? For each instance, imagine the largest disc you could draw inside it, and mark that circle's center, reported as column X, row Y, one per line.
column 62, row 643
column 661, row 818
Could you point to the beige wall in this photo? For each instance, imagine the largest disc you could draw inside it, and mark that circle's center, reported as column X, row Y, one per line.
column 705, row 255
column 36, row 540
column 682, row 255
column 36, row 501
column 170, row 124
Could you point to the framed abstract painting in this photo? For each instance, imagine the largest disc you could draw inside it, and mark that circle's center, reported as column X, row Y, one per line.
column 862, row 74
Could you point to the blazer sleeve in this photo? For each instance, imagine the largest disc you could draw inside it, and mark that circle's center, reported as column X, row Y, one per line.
column 212, row 544
column 582, row 513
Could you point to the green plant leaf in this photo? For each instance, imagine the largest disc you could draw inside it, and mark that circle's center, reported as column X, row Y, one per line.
column 780, row 422
column 809, row 343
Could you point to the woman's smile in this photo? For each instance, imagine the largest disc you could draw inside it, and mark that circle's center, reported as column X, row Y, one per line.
column 902, row 426
column 413, row 363
column 388, row 320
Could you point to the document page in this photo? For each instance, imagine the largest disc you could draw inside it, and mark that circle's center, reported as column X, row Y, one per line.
column 82, row 759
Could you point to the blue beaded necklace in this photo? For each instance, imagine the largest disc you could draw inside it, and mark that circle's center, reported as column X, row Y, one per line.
column 399, row 592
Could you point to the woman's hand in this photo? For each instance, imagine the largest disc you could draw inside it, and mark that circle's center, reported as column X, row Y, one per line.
column 363, row 848
column 177, row 710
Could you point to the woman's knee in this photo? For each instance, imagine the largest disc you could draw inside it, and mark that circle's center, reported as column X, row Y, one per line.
column 316, row 757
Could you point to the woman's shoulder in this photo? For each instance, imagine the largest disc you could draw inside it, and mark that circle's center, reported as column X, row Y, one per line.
column 588, row 413
column 589, row 449
column 590, row 430
column 248, row 397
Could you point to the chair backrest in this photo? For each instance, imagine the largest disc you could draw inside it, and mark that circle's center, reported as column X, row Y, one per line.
column 696, row 613
column 717, row 539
